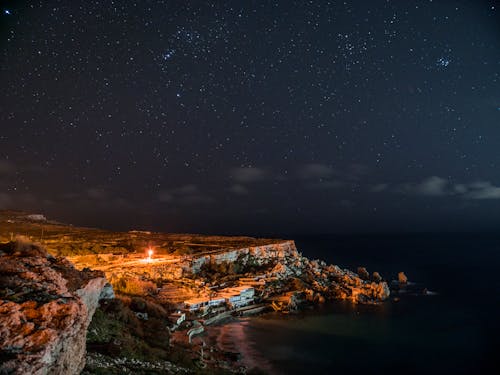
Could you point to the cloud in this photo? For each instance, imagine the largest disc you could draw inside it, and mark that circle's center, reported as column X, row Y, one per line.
column 482, row 190
column 248, row 174
column 239, row 189
column 433, row 185
column 460, row 188
column 196, row 199
column 165, row 196
column 315, row 171
column 379, row 188
column 189, row 194
column 439, row 187
column 186, row 190
column 325, row 185
column 356, row 172
column 430, row 186
column 320, row 176
column 97, row 193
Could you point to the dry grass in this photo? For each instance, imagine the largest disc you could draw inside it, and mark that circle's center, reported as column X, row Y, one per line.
column 134, row 286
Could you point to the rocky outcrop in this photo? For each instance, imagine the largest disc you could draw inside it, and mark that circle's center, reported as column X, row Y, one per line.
column 363, row 273
column 402, row 279
column 376, row 277
column 46, row 306
column 320, row 280
column 260, row 255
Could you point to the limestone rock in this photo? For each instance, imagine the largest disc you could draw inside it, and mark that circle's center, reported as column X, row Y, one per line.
column 363, row 273
column 107, row 292
column 45, row 308
column 402, row 279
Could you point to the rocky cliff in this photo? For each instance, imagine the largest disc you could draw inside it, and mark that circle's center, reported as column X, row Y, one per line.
column 261, row 255
column 320, row 280
column 46, row 306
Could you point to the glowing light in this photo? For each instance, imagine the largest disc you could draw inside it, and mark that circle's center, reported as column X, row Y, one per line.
column 150, row 255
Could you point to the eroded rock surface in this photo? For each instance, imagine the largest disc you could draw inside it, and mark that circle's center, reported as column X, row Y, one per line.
column 320, row 280
column 46, row 306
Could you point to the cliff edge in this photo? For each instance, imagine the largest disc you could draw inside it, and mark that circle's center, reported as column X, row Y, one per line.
column 46, row 306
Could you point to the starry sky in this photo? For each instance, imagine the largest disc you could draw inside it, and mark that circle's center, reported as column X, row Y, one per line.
column 253, row 117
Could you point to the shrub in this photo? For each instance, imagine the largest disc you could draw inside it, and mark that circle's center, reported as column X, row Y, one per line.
column 27, row 248
column 134, row 286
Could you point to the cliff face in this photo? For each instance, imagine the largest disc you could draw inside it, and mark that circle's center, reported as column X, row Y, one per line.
column 261, row 255
column 46, row 306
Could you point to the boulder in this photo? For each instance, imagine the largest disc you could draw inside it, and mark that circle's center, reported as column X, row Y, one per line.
column 376, row 277
column 402, row 279
column 363, row 273
column 107, row 292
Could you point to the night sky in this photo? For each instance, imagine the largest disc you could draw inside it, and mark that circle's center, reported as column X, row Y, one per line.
column 253, row 117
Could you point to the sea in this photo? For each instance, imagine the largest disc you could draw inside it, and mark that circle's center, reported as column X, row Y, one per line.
column 453, row 329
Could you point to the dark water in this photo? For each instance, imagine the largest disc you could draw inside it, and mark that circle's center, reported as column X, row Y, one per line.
column 454, row 332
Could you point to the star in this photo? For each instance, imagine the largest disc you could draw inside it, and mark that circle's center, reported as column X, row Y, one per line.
column 443, row 62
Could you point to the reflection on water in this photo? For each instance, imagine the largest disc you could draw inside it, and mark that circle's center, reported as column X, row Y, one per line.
column 232, row 337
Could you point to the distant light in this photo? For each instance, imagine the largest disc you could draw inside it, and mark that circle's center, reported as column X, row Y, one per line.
column 6, row 11
column 150, row 253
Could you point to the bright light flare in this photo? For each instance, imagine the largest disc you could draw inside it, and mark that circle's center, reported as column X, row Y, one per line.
column 150, row 255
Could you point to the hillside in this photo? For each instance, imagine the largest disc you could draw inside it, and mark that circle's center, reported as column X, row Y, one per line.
column 67, row 240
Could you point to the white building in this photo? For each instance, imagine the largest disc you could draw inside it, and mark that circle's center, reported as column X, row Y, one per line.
column 177, row 317
column 238, row 296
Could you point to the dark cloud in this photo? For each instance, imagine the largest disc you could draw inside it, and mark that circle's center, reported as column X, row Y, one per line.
column 239, row 189
column 315, row 171
column 97, row 193
column 165, row 196
column 189, row 194
column 189, row 189
column 481, row 190
column 248, row 174
column 435, row 186
column 379, row 188
column 326, row 185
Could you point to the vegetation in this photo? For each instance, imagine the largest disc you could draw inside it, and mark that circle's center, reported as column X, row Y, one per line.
column 134, row 286
column 116, row 331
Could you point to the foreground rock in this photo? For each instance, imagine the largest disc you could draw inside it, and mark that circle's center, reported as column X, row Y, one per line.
column 46, row 306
